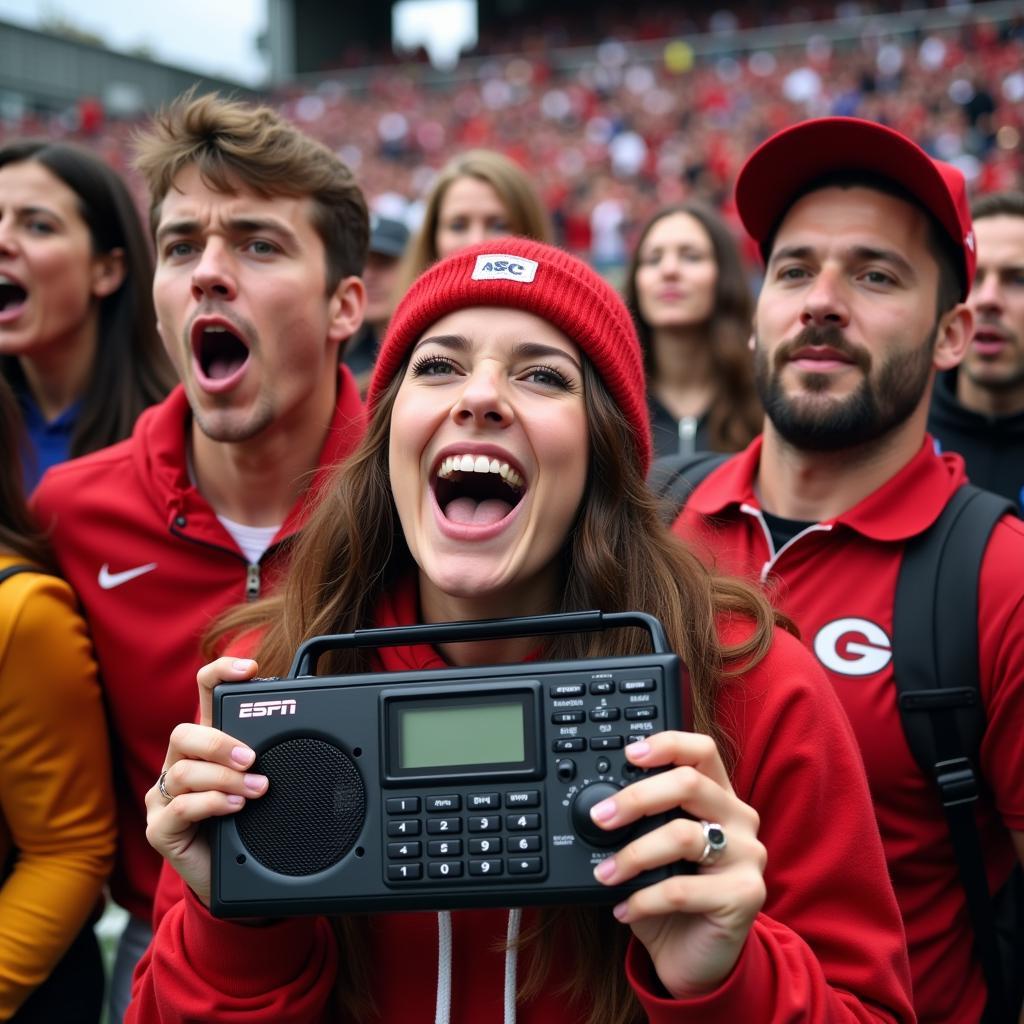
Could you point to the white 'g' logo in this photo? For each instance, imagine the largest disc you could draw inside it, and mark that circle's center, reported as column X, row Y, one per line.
column 867, row 651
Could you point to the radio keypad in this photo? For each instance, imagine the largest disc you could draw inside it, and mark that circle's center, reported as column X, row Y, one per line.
column 489, row 837
column 404, row 805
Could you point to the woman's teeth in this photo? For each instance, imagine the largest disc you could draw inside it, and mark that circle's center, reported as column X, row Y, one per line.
column 479, row 464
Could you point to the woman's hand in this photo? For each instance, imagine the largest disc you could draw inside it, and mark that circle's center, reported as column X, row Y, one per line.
column 692, row 925
column 204, row 776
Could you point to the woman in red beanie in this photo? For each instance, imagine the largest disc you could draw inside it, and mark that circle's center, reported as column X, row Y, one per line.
column 503, row 474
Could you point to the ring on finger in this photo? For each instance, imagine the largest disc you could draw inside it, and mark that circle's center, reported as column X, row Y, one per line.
column 714, row 842
column 161, row 784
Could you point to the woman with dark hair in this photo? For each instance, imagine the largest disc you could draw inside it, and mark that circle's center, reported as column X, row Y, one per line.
column 56, row 798
column 503, row 474
column 688, row 294
column 78, row 338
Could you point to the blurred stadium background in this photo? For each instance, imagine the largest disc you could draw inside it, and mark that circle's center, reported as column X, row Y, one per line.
column 615, row 109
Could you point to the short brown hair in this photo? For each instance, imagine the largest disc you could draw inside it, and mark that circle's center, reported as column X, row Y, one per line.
column 230, row 142
column 998, row 204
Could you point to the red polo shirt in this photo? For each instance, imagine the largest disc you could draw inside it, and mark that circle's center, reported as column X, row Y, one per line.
column 837, row 580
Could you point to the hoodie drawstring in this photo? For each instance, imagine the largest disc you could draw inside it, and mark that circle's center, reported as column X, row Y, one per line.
column 443, row 1007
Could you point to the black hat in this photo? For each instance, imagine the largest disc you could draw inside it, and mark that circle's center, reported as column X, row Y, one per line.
column 387, row 237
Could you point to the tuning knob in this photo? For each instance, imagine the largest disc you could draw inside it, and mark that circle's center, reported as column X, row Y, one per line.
column 584, row 825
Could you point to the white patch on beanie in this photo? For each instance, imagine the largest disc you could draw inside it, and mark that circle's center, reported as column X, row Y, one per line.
column 501, row 266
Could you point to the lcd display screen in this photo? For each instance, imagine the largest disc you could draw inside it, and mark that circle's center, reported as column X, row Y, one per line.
column 474, row 734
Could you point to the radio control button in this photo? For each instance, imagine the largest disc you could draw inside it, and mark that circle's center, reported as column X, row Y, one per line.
column 605, row 714
column 565, row 770
column 402, row 851
column 605, row 742
column 567, row 717
column 445, row 869
column 486, row 823
column 647, row 711
column 482, row 846
column 631, row 771
column 636, row 685
column 567, row 690
column 485, row 867
column 444, row 848
column 522, row 822
column 444, row 826
column 407, row 827
column 403, row 805
column 524, row 844
column 483, row 802
column 441, row 804
column 602, row 686
column 569, row 746
column 525, row 865
column 404, row 872
column 603, row 765
column 524, row 797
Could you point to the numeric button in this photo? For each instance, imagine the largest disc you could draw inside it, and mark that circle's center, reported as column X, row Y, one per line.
column 402, row 851
column 443, row 826
column 444, row 848
column 485, row 846
column 404, row 872
column 485, row 823
column 522, row 822
column 445, row 869
column 404, row 805
column 485, row 867
column 405, row 827
column 524, row 844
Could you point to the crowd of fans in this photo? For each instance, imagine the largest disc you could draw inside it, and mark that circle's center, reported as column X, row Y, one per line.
column 614, row 135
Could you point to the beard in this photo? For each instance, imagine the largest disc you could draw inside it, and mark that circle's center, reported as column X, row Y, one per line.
column 882, row 401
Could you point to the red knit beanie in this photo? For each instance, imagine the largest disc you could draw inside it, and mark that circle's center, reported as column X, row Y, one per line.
column 539, row 279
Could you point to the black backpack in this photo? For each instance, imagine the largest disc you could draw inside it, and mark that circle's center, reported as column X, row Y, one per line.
column 935, row 665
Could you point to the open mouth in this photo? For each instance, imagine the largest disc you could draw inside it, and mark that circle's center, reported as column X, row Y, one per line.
column 476, row 490
column 12, row 295
column 219, row 352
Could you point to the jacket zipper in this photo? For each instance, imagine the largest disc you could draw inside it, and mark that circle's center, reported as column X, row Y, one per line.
column 773, row 555
column 687, row 435
column 253, row 574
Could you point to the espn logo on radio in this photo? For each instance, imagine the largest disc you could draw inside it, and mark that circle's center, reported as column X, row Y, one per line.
column 265, row 708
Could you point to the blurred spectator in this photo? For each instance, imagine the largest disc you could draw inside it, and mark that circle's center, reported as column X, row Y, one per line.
column 978, row 407
column 388, row 239
column 477, row 195
column 56, row 793
column 78, row 340
column 687, row 291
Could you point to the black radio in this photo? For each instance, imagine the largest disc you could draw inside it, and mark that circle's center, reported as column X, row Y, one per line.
column 461, row 787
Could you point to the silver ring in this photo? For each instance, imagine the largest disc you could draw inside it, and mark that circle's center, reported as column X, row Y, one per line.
column 161, row 785
column 714, row 842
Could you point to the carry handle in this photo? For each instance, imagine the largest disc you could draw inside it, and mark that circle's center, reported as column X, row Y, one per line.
column 310, row 652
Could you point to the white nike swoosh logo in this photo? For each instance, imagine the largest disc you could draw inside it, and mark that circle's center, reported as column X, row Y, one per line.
column 108, row 580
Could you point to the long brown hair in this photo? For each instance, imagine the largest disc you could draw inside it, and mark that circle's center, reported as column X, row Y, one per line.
column 618, row 556
column 131, row 370
column 18, row 533
column 525, row 213
column 735, row 416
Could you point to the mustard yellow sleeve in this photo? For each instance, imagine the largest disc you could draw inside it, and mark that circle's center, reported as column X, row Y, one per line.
column 56, row 797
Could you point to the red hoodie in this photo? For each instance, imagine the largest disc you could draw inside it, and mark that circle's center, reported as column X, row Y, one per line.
column 153, row 566
column 828, row 946
column 837, row 580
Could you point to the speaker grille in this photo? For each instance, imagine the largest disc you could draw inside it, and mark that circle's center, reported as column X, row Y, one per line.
column 312, row 812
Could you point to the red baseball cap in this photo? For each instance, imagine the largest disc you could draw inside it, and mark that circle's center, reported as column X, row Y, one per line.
column 779, row 171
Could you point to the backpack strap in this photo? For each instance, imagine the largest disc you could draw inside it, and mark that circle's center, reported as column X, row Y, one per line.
column 13, row 570
column 673, row 478
column 935, row 652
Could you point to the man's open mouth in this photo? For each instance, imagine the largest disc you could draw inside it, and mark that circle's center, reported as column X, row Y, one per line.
column 219, row 352
column 12, row 295
column 477, row 490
